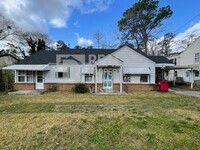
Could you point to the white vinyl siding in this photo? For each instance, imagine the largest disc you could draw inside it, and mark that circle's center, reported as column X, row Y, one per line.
column 72, row 75
column 188, row 57
column 132, row 59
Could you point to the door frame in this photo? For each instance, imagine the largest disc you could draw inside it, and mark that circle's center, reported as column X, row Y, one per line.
column 107, row 80
column 39, row 85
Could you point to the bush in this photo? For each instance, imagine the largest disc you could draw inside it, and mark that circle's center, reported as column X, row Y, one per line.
column 6, row 80
column 53, row 88
column 80, row 88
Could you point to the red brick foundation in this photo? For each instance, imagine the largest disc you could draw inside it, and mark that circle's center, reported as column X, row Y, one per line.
column 24, row 86
column 69, row 86
column 64, row 86
column 139, row 87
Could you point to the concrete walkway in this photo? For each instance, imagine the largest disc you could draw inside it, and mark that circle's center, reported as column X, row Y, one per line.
column 24, row 92
column 185, row 92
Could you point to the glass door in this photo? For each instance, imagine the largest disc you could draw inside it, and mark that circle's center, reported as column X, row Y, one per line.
column 40, row 80
column 107, row 78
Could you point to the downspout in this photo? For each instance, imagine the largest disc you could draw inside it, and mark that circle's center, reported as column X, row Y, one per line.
column 192, row 78
column 96, row 79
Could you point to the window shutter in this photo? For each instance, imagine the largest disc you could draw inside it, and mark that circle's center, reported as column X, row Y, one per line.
column 56, row 74
column 64, row 74
column 68, row 72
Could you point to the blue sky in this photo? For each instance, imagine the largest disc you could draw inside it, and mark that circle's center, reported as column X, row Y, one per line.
column 106, row 21
column 73, row 20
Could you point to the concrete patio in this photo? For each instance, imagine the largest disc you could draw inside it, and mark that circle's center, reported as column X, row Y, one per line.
column 27, row 92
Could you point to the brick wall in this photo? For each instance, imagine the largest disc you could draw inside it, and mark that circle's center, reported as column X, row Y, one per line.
column 139, row 87
column 69, row 86
column 116, row 87
column 24, row 86
column 64, row 86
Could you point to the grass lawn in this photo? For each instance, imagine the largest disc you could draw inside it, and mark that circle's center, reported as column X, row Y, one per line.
column 143, row 120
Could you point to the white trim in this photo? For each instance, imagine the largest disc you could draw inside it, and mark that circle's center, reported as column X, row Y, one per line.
column 28, row 67
column 164, row 65
column 136, row 71
column 118, row 62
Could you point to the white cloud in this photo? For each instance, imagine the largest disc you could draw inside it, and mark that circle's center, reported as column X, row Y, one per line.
column 83, row 41
column 37, row 15
column 76, row 24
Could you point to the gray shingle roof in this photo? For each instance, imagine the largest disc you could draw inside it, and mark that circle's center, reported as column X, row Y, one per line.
column 49, row 56
column 160, row 59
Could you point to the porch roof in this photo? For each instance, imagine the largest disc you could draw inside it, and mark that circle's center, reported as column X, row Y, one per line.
column 109, row 60
column 28, row 67
column 87, row 70
column 181, row 67
column 136, row 71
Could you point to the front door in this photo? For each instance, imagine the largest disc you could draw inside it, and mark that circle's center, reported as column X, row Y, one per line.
column 107, row 78
column 40, row 80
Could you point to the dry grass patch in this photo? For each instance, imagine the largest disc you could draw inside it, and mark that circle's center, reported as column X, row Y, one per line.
column 188, row 114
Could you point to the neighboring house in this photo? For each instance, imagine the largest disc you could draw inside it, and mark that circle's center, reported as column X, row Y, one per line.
column 7, row 59
column 187, row 63
column 122, row 69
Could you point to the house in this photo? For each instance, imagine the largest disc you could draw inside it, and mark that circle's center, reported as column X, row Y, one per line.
column 122, row 69
column 7, row 59
column 187, row 63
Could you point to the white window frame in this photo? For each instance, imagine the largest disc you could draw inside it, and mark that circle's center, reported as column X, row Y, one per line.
column 175, row 61
column 127, row 78
column 66, row 74
column 25, row 75
column 196, row 73
column 146, row 75
column 90, row 77
column 29, row 75
column 197, row 58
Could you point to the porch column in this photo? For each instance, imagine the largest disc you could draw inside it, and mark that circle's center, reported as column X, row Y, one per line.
column 15, row 76
column 174, row 78
column 96, row 79
column 192, row 78
column 121, row 79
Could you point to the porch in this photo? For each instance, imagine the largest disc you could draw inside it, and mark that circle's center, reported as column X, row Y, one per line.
column 29, row 77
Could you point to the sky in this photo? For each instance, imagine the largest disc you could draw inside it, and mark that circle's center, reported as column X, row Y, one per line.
column 76, row 21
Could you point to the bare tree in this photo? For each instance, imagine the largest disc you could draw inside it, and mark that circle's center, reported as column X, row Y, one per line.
column 181, row 44
column 7, row 28
column 98, row 37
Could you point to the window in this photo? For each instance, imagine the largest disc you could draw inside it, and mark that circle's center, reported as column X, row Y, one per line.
column 21, row 76
column 175, row 62
column 197, row 57
column 144, row 78
column 196, row 73
column 175, row 73
column 187, row 73
column 62, row 75
column 88, row 77
column 127, row 78
column 29, row 76
column 25, row 76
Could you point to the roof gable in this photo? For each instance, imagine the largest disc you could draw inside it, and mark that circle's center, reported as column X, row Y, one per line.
column 190, row 47
column 132, row 51
column 109, row 60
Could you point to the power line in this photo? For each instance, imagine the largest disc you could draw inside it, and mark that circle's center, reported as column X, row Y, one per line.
column 186, row 23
